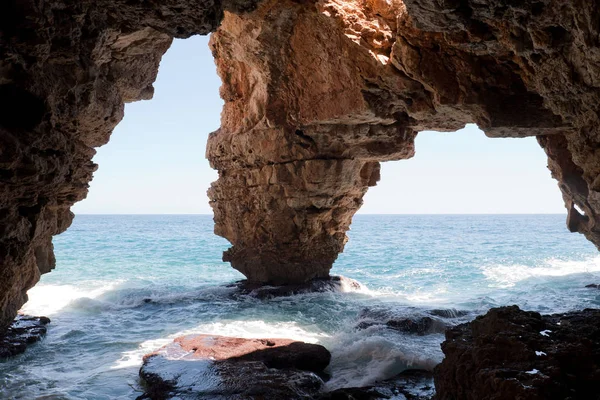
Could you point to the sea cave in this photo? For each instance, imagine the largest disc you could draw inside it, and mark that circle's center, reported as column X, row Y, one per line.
column 316, row 95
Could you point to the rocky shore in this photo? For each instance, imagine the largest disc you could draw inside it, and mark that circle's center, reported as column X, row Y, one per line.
column 218, row 367
column 506, row 354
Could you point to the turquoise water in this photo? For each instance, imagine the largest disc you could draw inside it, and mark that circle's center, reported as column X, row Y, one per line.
column 125, row 285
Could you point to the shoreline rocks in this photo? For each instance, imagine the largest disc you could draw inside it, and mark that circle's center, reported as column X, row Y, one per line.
column 218, row 367
column 513, row 354
column 24, row 331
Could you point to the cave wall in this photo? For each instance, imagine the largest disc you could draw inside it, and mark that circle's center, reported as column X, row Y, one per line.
column 66, row 70
column 316, row 93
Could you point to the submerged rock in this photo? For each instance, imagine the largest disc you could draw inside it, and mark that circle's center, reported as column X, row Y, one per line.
column 24, row 330
column 217, row 367
column 329, row 284
column 411, row 384
column 513, row 354
column 410, row 320
column 448, row 313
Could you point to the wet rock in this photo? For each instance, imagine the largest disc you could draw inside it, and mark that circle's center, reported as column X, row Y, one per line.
column 593, row 286
column 329, row 284
column 412, row 384
column 421, row 326
column 24, row 330
column 217, row 367
column 513, row 354
column 412, row 324
column 448, row 313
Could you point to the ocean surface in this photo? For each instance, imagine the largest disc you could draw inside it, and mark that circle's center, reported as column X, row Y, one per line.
column 126, row 285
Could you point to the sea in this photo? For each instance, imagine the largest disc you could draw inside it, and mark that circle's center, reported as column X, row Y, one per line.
column 125, row 285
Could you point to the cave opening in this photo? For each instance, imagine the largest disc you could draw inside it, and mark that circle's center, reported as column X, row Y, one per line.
column 302, row 135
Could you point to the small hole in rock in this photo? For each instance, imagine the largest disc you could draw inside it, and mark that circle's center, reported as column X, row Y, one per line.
column 19, row 109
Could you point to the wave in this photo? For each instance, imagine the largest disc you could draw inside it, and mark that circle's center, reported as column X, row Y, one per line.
column 505, row 276
column 361, row 360
column 45, row 299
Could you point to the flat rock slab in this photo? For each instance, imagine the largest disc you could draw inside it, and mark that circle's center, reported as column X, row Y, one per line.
column 218, row 367
column 24, row 330
column 513, row 354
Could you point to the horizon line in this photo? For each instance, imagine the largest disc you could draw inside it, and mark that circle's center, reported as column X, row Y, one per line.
column 357, row 214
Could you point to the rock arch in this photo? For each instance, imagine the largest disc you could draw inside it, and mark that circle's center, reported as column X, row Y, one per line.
column 317, row 93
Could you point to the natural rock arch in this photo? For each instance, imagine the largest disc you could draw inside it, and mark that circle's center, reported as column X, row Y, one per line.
column 316, row 92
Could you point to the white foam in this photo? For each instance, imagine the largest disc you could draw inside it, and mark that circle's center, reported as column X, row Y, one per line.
column 47, row 299
column 505, row 276
column 243, row 329
column 532, row 372
column 359, row 360
column 546, row 332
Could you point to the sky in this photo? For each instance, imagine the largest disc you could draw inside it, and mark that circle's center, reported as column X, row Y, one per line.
column 155, row 161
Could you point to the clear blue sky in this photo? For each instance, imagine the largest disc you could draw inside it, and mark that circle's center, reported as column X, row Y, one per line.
column 154, row 163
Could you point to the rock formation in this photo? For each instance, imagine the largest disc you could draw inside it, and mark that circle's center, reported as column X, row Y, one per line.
column 513, row 354
column 218, row 367
column 66, row 70
column 317, row 93
column 24, row 330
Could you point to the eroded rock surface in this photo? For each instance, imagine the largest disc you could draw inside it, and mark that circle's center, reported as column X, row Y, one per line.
column 66, row 70
column 513, row 354
column 217, row 367
column 316, row 93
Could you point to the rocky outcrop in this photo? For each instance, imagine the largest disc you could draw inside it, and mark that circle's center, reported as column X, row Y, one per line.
column 217, row 367
column 24, row 330
column 515, row 354
column 316, row 93
column 66, row 70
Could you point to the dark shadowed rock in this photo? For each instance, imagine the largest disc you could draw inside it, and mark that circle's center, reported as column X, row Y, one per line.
column 513, row 354
column 217, row 367
column 319, row 285
column 593, row 286
column 420, row 326
column 409, row 319
column 25, row 330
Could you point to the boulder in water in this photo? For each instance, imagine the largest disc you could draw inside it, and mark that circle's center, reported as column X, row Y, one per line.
column 24, row 330
column 218, row 367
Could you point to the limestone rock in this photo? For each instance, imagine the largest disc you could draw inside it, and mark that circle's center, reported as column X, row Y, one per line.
column 66, row 70
column 316, row 93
